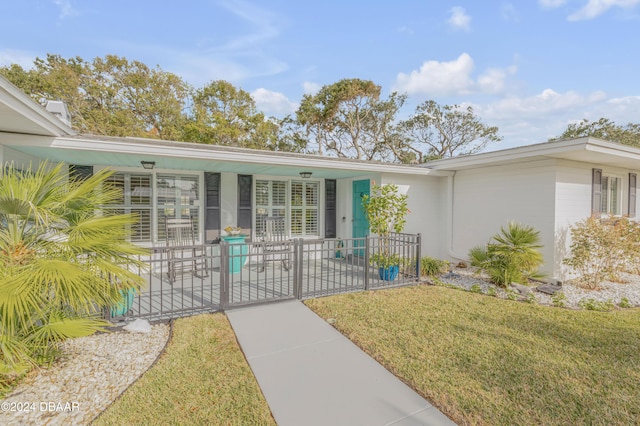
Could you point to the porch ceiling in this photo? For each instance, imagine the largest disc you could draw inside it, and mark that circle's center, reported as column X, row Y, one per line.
column 118, row 159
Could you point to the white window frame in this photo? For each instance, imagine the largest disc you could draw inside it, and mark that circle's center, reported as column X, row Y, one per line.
column 288, row 180
column 605, row 206
column 304, row 208
column 154, row 198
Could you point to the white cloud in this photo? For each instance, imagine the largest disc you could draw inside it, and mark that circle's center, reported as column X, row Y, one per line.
column 405, row 30
column 263, row 23
column 436, row 78
column 273, row 103
column 310, row 88
column 459, row 19
column 22, row 58
column 493, row 80
column 509, row 12
column 546, row 102
column 241, row 56
column 551, row 3
column 66, row 9
column 537, row 118
column 595, row 8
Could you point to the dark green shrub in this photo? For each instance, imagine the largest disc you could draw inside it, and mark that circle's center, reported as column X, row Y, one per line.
column 432, row 267
column 512, row 255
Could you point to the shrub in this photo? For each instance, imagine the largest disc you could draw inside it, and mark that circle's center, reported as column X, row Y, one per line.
column 601, row 248
column 61, row 261
column 386, row 210
column 512, row 255
column 432, row 267
column 595, row 305
column 512, row 295
column 624, row 303
column 559, row 299
column 475, row 289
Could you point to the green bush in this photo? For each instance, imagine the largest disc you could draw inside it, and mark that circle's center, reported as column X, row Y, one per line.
column 601, row 248
column 61, row 261
column 559, row 299
column 595, row 305
column 624, row 303
column 512, row 255
column 386, row 210
column 476, row 289
column 432, row 267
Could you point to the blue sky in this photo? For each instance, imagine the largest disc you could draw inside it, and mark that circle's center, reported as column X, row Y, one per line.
column 529, row 67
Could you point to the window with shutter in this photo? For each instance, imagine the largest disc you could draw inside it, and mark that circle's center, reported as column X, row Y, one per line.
column 245, row 183
column 606, row 193
column 596, row 192
column 134, row 192
column 177, row 198
column 633, row 179
column 212, row 207
column 330, row 195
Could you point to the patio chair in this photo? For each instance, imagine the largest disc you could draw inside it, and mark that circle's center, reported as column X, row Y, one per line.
column 183, row 255
column 276, row 245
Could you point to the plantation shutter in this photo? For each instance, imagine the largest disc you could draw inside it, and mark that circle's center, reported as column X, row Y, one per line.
column 77, row 172
column 212, row 207
column 633, row 178
column 330, row 208
column 245, row 183
column 596, row 192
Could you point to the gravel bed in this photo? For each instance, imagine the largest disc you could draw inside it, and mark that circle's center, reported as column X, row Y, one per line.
column 92, row 372
column 612, row 292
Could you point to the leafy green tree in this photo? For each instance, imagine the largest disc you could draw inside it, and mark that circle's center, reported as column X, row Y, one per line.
column 291, row 136
column 348, row 119
column 386, row 210
column 603, row 129
column 61, row 262
column 111, row 96
column 225, row 115
column 439, row 131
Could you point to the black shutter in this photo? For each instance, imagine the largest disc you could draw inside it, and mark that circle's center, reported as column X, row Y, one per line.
column 77, row 172
column 212, row 207
column 633, row 179
column 596, row 191
column 330, row 208
column 245, row 182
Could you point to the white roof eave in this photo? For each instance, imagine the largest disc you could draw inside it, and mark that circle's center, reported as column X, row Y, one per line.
column 563, row 149
column 24, row 115
column 185, row 150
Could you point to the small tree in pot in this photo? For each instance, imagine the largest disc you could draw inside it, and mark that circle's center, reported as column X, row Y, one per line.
column 386, row 210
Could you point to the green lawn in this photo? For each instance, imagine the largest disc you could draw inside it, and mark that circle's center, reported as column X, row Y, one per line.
column 201, row 379
column 483, row 360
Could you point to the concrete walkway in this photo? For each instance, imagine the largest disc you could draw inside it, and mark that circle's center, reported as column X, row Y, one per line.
column 311, row 374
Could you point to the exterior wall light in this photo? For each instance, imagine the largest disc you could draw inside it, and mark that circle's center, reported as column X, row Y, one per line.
column 305, row 175
column 148, row 164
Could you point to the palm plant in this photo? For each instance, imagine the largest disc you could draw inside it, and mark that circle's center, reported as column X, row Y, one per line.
column 61, row 262
column 512, row 255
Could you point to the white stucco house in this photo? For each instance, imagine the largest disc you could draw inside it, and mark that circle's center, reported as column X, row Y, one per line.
column 456, row 203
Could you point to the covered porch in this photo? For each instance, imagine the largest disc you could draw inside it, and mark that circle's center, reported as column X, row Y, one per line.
column 231, row 275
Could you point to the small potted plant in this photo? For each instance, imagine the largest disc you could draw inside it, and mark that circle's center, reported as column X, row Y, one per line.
column 386, row 210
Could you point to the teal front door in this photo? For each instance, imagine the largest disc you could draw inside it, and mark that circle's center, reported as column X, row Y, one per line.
column 360, row 223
